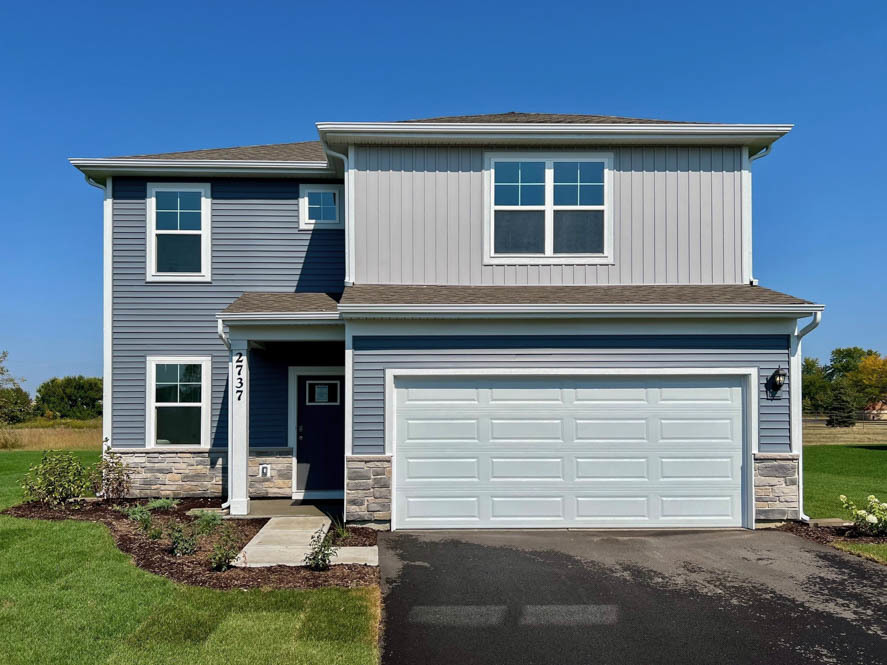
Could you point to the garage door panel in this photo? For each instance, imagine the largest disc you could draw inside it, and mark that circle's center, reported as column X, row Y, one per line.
column 526, row 468
column 631, row 453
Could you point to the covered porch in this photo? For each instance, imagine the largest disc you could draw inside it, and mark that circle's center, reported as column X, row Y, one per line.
column 286, row 402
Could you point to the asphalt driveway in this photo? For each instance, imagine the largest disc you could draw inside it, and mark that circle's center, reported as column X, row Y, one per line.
column 605, row 597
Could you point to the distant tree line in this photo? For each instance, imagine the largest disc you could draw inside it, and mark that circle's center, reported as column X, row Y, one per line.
column 78, row 397
column 855, row 379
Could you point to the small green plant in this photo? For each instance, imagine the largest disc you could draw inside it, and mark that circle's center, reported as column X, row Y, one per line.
column 207, row 521
column 871, row 522
column 162, row 504
column 111, row 477
column 224, row 552
column 57, row 478
column 322, row 551
column 138, row 514
column 155, row 533
column 340, row 530
column 183, row 540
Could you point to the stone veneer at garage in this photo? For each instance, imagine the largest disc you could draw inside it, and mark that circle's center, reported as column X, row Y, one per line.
column 776, row 486
column 368, row 489
column 167, row 473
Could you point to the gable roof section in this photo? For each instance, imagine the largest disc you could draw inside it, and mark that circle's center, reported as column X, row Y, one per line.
column 517, row 117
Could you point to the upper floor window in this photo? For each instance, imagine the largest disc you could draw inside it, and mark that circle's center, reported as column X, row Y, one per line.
column 549, row 208
column 320, row 207
column 178, row 233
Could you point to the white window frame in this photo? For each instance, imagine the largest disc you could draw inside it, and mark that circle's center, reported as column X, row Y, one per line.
column 205, row 394
column 549, row 257
column 308, row 224
column 205, row 232
column 338, row 401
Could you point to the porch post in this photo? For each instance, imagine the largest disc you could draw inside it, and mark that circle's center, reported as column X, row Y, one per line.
column 238, row 439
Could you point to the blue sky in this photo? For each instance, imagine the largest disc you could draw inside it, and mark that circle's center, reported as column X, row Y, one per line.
column 102, row 78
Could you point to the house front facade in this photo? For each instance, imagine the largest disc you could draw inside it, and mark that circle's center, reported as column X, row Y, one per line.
column 500, row 321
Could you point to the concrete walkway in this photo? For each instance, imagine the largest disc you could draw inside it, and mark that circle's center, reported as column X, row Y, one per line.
column 284, row 541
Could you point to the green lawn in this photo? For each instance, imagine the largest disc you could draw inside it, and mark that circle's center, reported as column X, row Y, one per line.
column 875, row 551
column 68, row 595
column 854, row 470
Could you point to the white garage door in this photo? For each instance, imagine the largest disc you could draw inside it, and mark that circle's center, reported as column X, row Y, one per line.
column 606, row 452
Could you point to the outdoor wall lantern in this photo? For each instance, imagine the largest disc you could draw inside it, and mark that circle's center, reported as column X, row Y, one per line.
column 775, row 382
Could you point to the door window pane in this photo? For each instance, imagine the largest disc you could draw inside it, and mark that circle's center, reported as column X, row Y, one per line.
column 578, row 231
column 322, row 392
column 519, row 232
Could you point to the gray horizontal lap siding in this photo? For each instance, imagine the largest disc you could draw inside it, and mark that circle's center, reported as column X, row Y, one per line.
column 677, row 219
column 373, row 355
column 256, row 246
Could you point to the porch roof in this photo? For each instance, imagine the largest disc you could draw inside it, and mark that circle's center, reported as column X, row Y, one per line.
column 309, row 305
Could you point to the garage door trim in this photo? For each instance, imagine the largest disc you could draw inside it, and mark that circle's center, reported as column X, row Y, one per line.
column 749, row 374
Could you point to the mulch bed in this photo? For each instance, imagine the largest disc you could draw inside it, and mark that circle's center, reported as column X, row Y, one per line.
column 358, row 536
column 829, row 534
column 154, row 555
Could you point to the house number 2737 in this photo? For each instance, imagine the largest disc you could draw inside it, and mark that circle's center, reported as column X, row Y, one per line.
column 238, row 376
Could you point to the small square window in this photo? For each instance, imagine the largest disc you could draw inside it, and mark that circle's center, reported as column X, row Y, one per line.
column 320, row 207
column 322, row 393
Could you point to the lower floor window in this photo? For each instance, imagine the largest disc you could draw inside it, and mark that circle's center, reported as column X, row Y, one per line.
column 178, row 398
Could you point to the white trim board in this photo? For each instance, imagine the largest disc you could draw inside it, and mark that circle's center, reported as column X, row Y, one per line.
column 750, row 440
column 108, row 315
column 292, row 428
column 305, row 223
column 205, row 232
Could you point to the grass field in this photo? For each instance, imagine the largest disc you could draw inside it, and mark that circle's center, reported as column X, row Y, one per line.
column 830, row 471
column 68, row 595
column 874, row 551
column 44, row 434
column 816, row 433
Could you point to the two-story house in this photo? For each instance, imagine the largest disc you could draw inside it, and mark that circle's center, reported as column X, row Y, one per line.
column 515, row 320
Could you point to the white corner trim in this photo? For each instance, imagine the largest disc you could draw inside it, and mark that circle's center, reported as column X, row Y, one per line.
column 107, row 313
column 292, row 438
column 205, row 190
column 548, row 208
column 750, row 374
column 307, row 224
column 205, row 399
column 350, row 231
column 349, row 391
column 746, row 217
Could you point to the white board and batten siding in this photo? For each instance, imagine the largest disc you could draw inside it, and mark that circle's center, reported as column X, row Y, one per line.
column 677, row 219
column 583, row 451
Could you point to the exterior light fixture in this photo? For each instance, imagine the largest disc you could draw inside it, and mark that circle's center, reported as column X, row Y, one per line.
column 775, row 382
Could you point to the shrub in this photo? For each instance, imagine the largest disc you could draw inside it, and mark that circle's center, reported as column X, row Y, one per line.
column 10, row 439
column 322, row 551
column 162, row 504
column 207, row 521
column 111, row 477
column 15, row 405
column 57, row 478
column 139, row 514
column 871, row 522
column 224, row 552
column 71, row 397
column 183, row 540
column 339, row 529
column 155, row 533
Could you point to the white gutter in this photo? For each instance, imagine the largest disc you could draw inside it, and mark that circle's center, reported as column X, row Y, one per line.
column 280, row 316
column 110, row 166
column 763, row 153
column 579, row 309
column 349, row 222
column 796, row 344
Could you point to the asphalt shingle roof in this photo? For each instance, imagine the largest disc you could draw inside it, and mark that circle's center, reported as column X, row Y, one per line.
column 305, row 151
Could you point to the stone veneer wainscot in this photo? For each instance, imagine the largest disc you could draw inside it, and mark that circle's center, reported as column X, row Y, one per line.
column 776, row 487
column 368, row 489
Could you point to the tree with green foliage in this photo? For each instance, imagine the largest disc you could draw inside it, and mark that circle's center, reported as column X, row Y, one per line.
column 845, row 360
column 817, row 388
column 15, row 403
column 841, row 411
column 77, row 397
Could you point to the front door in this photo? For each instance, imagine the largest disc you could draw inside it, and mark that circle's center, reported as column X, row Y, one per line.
column 320, row 442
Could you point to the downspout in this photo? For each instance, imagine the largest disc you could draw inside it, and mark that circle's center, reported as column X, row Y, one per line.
column 227, row 342
column 814, row 322
column 349, row 278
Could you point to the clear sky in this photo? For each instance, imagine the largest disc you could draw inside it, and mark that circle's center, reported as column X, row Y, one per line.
column 95, row 79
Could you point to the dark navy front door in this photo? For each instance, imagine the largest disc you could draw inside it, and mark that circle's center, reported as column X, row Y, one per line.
column 320, row 446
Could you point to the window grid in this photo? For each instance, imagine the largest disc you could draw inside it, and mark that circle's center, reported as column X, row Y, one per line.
column 178, row 211
column 178, row 401
column 549, row 205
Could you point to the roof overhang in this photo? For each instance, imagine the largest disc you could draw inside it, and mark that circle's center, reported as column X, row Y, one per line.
column 364, row 311
column 756, row 137
column 100, row 169
column 308, row 318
